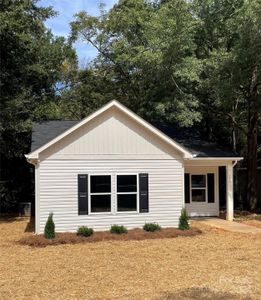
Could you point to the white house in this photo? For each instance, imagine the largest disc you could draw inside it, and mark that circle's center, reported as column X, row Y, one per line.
column 115, row 168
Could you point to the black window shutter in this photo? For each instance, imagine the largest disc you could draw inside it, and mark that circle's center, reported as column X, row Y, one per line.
column 144, row 192
column 82, row 194
column 187, row 188
column 211, row 188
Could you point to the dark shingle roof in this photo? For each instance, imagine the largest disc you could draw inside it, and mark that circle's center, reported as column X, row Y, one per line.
column 45, row 131
column 189, row 138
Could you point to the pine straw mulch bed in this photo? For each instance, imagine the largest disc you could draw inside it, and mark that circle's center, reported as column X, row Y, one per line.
column 134, row 234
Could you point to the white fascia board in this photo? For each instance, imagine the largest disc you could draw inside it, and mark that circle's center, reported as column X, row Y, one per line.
column 35, row 154
column 216, row 158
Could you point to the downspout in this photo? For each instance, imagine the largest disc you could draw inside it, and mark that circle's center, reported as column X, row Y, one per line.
column 35, row 163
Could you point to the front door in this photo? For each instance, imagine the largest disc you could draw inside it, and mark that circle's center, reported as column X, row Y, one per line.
column 201, row 191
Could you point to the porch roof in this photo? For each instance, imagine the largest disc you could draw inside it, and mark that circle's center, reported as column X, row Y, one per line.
column 192, row 140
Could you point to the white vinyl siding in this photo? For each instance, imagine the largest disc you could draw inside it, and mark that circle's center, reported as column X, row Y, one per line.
column 58, row 192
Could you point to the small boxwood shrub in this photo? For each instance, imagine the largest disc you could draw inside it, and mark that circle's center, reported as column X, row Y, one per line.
column 183, row 220
column 118, row 229
column 151, row 227
column 85, row 231
column 49, row 229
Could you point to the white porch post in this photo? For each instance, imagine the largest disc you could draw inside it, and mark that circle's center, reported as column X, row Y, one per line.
column 230, row 196
column 37, row 221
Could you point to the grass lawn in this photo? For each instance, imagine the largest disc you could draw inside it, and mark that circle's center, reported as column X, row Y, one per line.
column 213, row 265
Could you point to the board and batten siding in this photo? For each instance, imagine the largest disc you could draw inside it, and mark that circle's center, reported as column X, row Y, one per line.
column 58, row 192
column 111, row 134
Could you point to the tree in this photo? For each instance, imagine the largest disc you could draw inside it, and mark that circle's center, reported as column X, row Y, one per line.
column 247, row 62
column 89, row 90
column 49, row 229
column 146, row 51
column 183, row 220
column 229, row 41
column 31, row 66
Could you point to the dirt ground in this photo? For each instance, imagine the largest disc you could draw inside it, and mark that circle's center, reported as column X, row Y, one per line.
column 248, row 218
column 255, row 223
column 245, row 217
column 214, row 265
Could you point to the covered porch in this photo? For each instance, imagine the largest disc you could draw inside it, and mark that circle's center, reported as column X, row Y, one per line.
column 202, row 186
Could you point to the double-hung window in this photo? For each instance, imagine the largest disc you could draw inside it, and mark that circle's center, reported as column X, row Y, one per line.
column 100, row 193
column 109, row 193
column 127, row 193
column 198, row 188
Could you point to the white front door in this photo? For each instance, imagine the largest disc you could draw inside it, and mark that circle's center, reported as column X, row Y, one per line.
column 201, row 190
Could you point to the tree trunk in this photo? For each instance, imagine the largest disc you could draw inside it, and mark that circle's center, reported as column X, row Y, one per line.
column 252, row 160
column 234, row 139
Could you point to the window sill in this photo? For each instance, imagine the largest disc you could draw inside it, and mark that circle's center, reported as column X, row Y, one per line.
column 100, row 213
column 126, row 212
column 199, row 203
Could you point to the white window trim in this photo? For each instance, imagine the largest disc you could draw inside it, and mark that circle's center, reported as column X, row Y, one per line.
column 91, row 194
column 127, row 193
column 199, row 188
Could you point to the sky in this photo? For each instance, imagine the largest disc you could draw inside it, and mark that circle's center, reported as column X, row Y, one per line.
column 60, row 24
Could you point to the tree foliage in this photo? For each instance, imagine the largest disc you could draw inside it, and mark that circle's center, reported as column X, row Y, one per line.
column 31, row 67
column 49, row 229
column 31, row 60
column 184, row 220
column 229, row 43
column 146, row 50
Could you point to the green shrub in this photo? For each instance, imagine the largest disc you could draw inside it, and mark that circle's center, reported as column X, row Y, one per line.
column 183, row 220
column 118, row 229
column 151, row 227
column 49, row 229
column 85, row 231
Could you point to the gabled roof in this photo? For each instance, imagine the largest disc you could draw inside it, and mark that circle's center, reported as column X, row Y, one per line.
column 189, row 138
column 65, row 128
